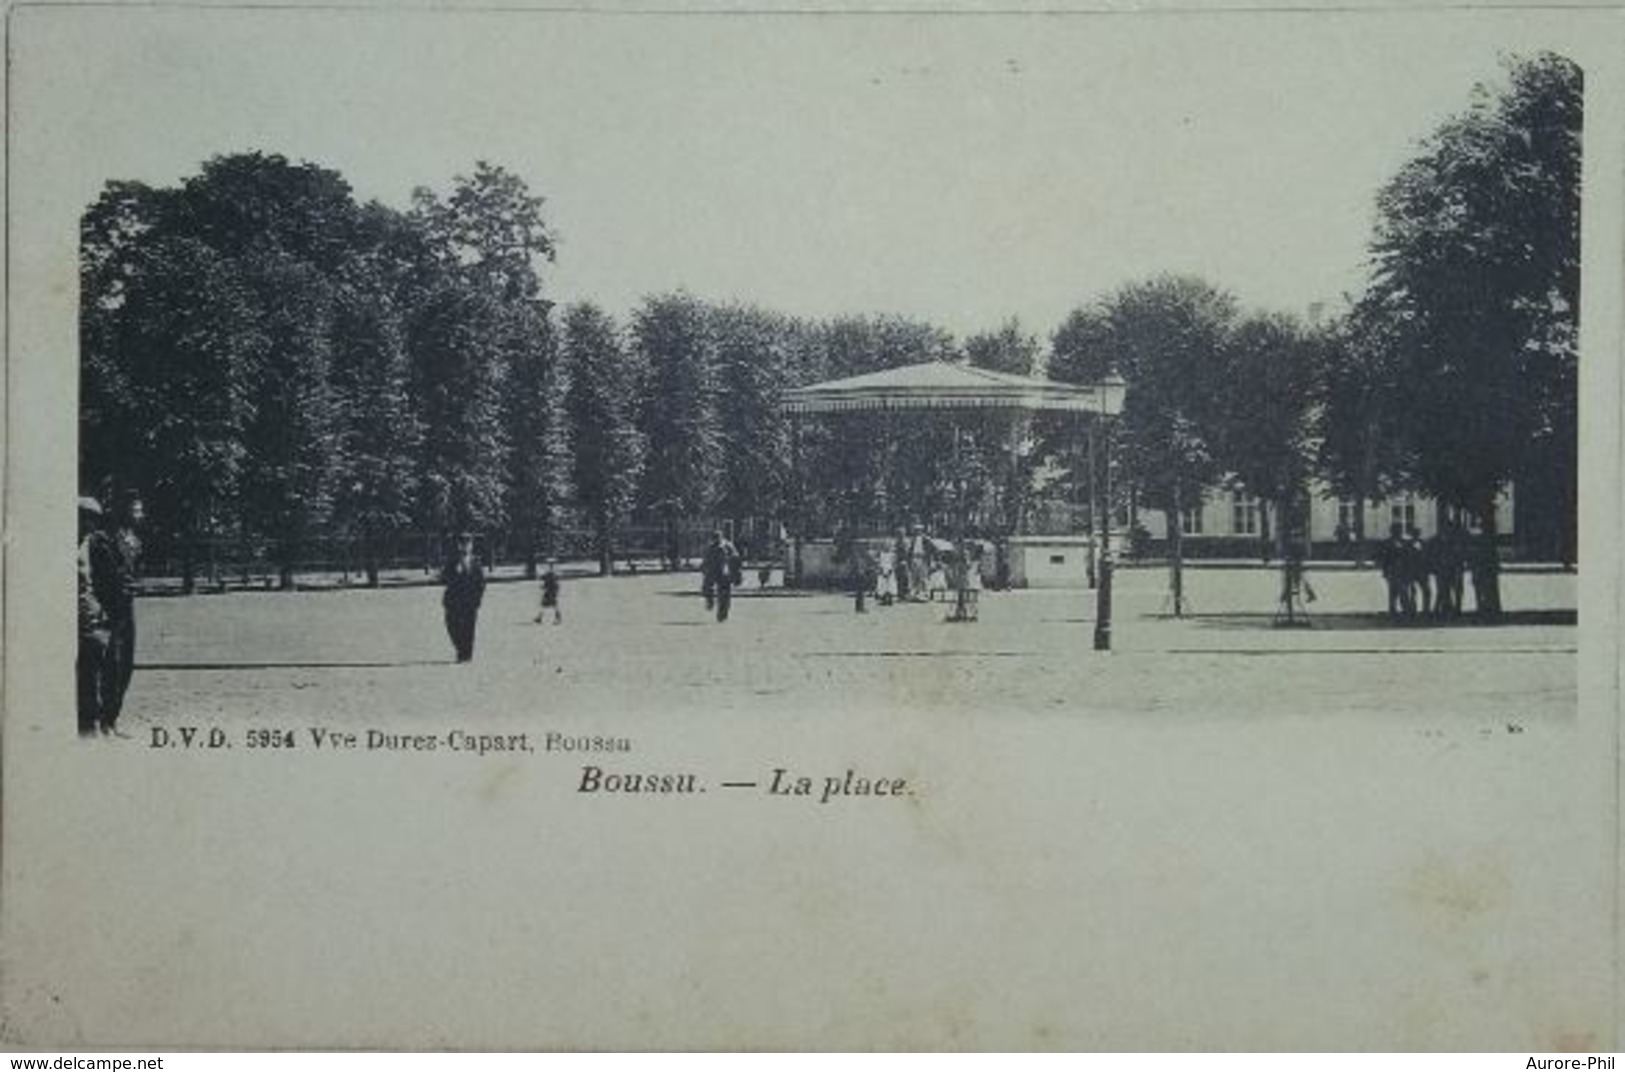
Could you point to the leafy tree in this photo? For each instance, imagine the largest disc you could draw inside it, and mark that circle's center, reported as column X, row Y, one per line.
column 1002, row 471
column 117, row 248
column 264, row 358
column 166, row 387
column 377, row 482
column 1476, row 265
column 853, row 345
column 291, row 444
column 1082, row 350
column 1169, row 336
column 538, row 429
column 601, row 402
column 874, row 465
column 291, row 230
column 1263, row 431
column 260, row 203
column 487, row 238
column 679, row 411
column 490, row 231
column 1009, row 349
column 753, row 354
column 1361, row 452
column 453, row 343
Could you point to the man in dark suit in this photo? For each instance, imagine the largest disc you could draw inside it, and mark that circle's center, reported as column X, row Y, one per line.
column 124, row 547
column 464, row 578
column 1392, row 558
column 96, row 580
column 719, row 572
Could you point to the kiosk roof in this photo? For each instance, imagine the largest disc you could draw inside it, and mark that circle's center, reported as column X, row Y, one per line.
column 940, row 385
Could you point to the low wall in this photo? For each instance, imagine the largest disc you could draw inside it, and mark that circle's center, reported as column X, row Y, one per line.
column 819, row 568
column 1049, row 561
column 1033, row 562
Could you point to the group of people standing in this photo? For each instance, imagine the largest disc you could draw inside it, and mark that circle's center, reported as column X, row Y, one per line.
column 1425, row 578
column 919, row 568
column 108, row 557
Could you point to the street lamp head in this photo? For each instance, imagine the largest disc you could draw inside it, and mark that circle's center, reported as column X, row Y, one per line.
column 1113, row 389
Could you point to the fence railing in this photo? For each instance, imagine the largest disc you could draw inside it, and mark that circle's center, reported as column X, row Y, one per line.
column 224, row 563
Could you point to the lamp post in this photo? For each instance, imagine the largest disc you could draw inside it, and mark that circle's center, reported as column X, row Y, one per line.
column 1094, row 511
column 1110, row 393
column 792, row 567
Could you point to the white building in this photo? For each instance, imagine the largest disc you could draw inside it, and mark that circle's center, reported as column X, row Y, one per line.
column 1235, row 517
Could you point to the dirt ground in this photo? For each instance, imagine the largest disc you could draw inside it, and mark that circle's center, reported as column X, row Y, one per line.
column 646, row 645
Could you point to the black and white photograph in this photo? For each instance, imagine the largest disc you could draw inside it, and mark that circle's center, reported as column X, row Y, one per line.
column 952, row 529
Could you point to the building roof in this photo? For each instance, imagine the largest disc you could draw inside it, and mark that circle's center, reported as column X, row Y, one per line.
column 940, row 385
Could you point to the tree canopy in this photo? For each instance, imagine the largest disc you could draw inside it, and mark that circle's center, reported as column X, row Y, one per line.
column 271, row 362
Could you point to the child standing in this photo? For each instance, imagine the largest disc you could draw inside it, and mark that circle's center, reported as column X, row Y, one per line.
column 550, row 594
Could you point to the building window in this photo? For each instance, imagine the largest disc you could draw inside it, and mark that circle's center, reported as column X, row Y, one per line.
column 1243, row 514
column 1190, row 521
column 1402, row 512
column 1348, row 515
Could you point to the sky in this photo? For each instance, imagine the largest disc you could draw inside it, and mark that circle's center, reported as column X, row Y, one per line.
column 958, row 169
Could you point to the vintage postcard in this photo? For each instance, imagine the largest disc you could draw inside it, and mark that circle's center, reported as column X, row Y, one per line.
column 823, row 529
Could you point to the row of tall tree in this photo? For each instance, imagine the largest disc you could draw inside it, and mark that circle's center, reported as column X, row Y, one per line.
column 268, row 360
column 269, row 363
column 1454, row 374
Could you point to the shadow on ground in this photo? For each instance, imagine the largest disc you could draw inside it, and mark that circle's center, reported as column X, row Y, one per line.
column 1382, row 622
column 328, row 665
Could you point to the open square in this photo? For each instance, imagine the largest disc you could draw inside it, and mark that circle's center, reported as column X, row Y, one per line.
column 644, row 648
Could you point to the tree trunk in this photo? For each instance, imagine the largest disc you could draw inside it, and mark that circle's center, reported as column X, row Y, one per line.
column 1568, row 538
column 1013, row 505
column 1176, row 554
column 606, row 548
column 1282, row 529
column 674, row 558
column 286, row 550
column 369, row 556
column 1359, row 530
column 1487, row 563
column 188, row 568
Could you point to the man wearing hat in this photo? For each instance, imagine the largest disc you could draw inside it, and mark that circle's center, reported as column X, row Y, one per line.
column 719, row 572
column 464, row 579
column 124, row 546
column 94, row 669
